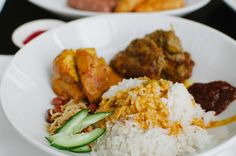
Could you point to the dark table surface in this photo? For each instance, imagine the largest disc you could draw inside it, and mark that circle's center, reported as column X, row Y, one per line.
column 16, row 12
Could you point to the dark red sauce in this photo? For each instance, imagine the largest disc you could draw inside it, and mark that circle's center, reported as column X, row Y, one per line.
column 32, row 36
column 214, row 96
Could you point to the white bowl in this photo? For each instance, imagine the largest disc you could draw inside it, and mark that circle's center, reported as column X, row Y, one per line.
column 25, row 30
column 60, row 7
column 26, row 92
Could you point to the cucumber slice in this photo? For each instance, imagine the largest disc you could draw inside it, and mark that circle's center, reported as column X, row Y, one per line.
column 49, row 139
column 91, row 119
column 74, row 121
column 82, row 149
column 52, row 137
column 62, row 141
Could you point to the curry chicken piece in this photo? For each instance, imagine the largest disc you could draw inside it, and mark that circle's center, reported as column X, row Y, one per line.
column 67, row 89
column 95, row 75
column 64, row 66
column 81, row 75
column 157, row 55
column 65, row 81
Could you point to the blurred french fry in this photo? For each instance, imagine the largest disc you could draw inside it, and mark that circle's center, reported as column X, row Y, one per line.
column 158, row 5
column 127, row 5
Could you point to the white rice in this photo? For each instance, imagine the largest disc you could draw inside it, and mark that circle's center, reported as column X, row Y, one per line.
column 128, row 139
column 123, row 85
column 182, row 106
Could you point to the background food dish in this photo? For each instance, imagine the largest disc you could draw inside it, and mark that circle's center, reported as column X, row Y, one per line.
column 29, row 85
column 204, row 15
column 60, row 7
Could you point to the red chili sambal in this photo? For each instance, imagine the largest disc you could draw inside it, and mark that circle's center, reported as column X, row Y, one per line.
column 213, row 96
column 32, row 36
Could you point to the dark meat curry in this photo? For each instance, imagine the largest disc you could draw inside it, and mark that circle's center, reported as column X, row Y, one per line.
column 157, row 55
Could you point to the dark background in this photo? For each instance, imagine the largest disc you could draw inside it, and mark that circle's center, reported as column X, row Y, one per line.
column 16, row 12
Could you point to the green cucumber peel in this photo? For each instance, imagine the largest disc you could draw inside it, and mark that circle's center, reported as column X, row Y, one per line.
column 82, row 149
column 91, row 119
column 66, row 142
column 69, row 126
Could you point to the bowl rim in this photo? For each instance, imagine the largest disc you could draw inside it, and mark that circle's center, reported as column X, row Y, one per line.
column 20, row 52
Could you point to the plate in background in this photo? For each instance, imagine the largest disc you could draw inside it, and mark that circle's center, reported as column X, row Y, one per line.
column 2, row 3
column 231, row 3
column 60, row 7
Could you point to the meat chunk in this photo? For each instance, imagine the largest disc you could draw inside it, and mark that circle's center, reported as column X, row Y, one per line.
column 167, row 40
column 179, row 64
column 157, row 55
column 96, row 76
column 64, row 66
column 81, row 75
column 141, row 58
column 178, row 67
column 65, row 80
column 93, row 5
column 67, row 89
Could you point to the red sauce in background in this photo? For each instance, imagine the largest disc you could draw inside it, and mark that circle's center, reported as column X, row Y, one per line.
column 33, row 35
column 214, row 96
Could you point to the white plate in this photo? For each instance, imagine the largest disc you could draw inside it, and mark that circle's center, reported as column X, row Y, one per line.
column 60, row 7
column 25, row 30
column 26, row 91
column 231, row 3
column 2, row 2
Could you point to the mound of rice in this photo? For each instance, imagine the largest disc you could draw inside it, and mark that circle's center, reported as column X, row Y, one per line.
column 126, row 137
